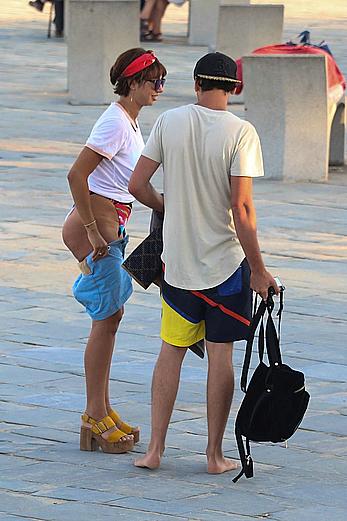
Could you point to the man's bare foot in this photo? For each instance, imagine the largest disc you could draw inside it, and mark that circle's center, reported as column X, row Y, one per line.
column 150, row 461
column 220, row 465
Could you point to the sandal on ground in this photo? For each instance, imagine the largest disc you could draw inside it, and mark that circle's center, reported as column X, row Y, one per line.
column 151, row 37
column 125, row 427
column 144, row 29
column 91, row 438
column 154, row 37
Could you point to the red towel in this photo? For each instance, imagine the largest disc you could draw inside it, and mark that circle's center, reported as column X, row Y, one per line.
column 335, row 76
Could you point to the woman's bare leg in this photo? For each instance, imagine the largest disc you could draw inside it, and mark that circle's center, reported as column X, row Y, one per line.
column 107, row 390
column 107, row 394
column 158, row 14
column 146, row 12
column 97, row 361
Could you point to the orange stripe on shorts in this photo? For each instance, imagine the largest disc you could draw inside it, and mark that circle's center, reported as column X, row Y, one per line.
column 221, row 307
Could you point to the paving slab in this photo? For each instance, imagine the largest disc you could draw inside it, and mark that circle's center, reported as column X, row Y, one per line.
column 311, row 512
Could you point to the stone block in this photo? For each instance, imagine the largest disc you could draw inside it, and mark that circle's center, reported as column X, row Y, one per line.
column 286, row 98
column 99, row 30
column 66, row 18
column 337, row 135
column 203, row 20
column 244, row 28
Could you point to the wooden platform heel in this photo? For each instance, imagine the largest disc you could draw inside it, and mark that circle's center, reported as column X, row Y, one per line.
column 91, row 439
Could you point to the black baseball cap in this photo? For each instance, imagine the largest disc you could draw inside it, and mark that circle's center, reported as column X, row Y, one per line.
column 216, row 66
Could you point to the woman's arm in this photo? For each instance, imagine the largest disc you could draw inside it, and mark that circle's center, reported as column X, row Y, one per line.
column 84, row 165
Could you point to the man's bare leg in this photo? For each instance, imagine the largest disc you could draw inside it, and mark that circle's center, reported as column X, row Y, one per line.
column 165, row 382
column 220, row 390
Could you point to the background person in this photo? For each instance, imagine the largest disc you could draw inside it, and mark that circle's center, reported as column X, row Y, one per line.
column 95, row 233
column 209, row 157
column 59, row 14
column 151, row 18
column 147, row 8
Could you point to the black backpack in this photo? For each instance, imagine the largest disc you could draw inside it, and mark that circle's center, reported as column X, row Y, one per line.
column 276, row 400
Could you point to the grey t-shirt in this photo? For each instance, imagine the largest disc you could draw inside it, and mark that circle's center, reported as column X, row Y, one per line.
column 199, row 149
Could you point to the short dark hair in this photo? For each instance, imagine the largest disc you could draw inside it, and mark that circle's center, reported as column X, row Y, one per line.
column 207, row 85
column 122, row 85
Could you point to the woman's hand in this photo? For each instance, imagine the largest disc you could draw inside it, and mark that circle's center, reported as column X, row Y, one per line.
column 100, row 247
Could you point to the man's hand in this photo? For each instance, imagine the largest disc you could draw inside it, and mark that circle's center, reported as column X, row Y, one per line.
column 261, row 282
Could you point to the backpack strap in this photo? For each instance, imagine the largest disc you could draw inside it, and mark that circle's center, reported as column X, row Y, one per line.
column 261, row 342
column 245, row 457
column 279, row 313
column 272, row 338
column 248, row 352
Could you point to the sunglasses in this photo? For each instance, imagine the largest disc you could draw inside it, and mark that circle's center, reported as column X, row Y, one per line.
column 158, row 84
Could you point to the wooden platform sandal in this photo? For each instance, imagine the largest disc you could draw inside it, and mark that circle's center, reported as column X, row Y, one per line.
column 91, row 436
column 125, row 427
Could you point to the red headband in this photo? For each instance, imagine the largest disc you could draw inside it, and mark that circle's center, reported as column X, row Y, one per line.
column 140, row 63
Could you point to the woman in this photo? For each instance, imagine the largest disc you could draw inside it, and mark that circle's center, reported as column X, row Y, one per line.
column 94, row 232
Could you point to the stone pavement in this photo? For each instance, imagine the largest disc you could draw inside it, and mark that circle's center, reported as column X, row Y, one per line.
column 302, row 230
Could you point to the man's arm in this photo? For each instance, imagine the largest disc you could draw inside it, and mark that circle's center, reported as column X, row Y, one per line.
column 140, row 186
column 246, row 229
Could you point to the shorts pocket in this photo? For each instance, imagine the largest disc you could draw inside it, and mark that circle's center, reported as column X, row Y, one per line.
column 86, row 292
column 232, row 285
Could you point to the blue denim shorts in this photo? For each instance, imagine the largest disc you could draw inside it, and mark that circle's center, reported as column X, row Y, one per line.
column 108, row 286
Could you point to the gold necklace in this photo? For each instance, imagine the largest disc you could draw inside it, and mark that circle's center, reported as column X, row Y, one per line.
column 131, row 120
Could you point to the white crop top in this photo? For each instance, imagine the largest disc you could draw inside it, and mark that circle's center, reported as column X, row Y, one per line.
column 114, row 137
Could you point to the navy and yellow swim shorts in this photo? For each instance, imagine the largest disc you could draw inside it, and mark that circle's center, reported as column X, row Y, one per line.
column 220, row 314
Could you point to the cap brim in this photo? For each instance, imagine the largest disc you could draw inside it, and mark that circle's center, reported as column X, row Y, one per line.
column 217, row 78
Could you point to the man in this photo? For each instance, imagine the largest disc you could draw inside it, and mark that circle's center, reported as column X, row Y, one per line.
column 209, row 157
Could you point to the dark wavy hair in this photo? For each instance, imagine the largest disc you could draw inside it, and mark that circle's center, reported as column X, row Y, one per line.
column 121, row 84
column 205, row 85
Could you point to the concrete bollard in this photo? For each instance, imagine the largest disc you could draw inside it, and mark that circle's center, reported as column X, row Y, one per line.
column 99, row 30
column 203, row 20
column 66, row 18
column 244, row 28
column 337, row 134
column 286, row 98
